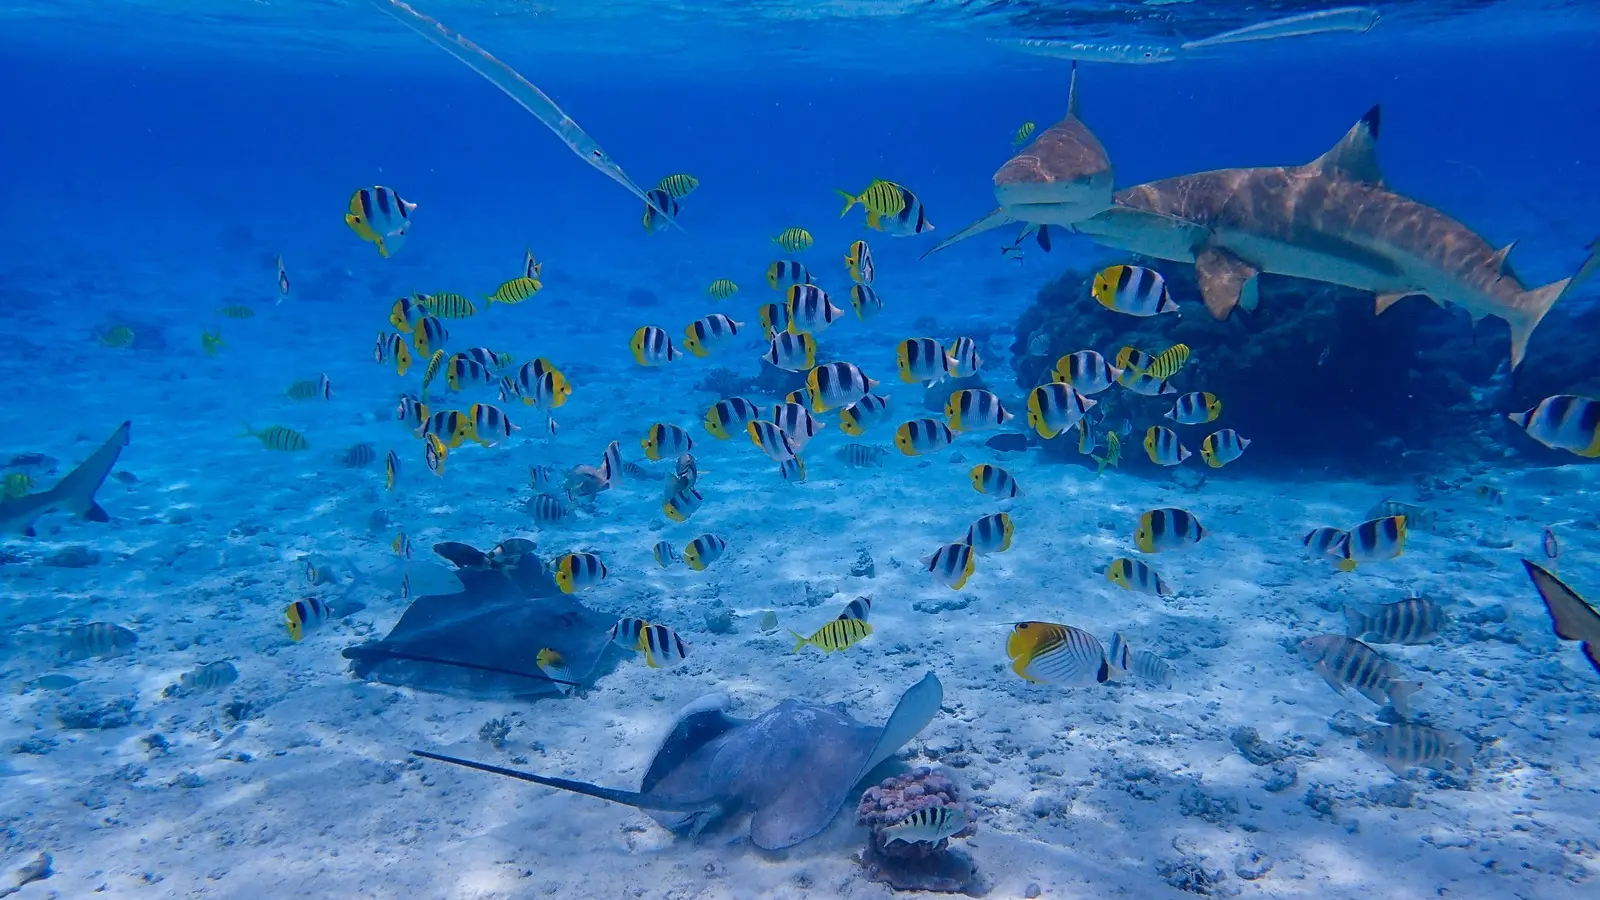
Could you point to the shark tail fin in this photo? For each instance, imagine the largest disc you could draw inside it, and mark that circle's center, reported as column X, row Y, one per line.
column 1535, row 303
column 1072, row 93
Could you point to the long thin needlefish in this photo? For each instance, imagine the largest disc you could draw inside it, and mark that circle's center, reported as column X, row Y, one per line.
column 519, row 89
column 1359, row 19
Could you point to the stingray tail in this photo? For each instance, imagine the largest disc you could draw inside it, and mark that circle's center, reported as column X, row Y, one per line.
column 626, row 798
column 1535, row 303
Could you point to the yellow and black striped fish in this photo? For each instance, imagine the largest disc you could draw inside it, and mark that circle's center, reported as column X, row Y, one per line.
column 434, row 453
column 450, row 425
column 1563, row 422
column 514, row 291
column 1168, row 528
column 660, row 211
column 652, row 347
column 836, row 384
column 1167, row 362
column 358, row 456
column 859, row 262
column 809, row 309
column 1063, row 655
column 1024, row 131
column 489, row 424
column 798, row 423
column 678, row 186
column 785, row 273
column 404, row 314
column 704, row 334
column 703, row 551
column 991, row 533
column 1056, row 407
column 726, row 417
column 865, row 301
column 663, row 440
column 682, row 505
column 1195, row 408
column 311, row 389
column 881, row 198
column 1087, row 371
column 1132, row 575
column 1371, row 541
column 856, row 418
column 377, row 215
column 975, row 410
column 835, row 636
column 578, row 571
column 448, row 306
column 1163, row 447
column 462, row 370
column 771, row 439
column 278, row 437
column 793, row 239
column 391, row 470
column 991, row 479
column 1222, row 447
column 304, row 615
column 429, row 335
column 662, row 646
column 722, row 289
column 794, row 352
column 924, row 360
column 1134, row 290
column 920, row 436
column 952, row 564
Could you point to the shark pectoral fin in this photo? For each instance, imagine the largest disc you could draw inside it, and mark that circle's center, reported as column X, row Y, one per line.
column 1226, row 281
column 1387, row 300
column 96, row 513
column 1356, row 154
column 992, row 220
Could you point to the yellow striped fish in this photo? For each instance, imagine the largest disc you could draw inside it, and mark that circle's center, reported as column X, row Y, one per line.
column 515, row 291
column 447, row 306
column 678, row 186
column 278, row 437
column 883, row 198
column 1024, row 131
column 793, row 240
column 1167, row 362
column 836, row 635
column 722, row 289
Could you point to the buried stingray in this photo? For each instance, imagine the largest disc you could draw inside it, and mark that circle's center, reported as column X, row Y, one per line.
column 791, row 768
column 483, row 641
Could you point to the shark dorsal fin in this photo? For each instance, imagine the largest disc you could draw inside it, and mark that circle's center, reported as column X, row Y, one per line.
column 1501, row 257
column 1072, row 93
column 1356, row 154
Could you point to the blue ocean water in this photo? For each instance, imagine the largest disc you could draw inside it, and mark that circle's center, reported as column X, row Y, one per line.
column 160, row 157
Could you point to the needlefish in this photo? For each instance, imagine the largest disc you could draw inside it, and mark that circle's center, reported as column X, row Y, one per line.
column 513, row 85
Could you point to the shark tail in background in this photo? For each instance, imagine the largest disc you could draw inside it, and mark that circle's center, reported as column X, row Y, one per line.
column 74, row 493
column 1538, row 301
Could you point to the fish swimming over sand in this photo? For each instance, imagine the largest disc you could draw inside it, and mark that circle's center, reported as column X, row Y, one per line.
column 1062, row 178
column 74, row 493
column 1332, row 220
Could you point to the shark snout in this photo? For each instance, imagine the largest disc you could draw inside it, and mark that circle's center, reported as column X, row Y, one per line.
column 1060, row 201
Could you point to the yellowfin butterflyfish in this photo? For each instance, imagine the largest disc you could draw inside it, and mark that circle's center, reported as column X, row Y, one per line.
column 771, row 440
column 1563, row 422
column 391, row 470
column 404, row 314
column 809, row 309
column 794, row 352
column 991, row 533
column 379, row 216
column 682, row 505
column 1195, row 408
column 660, row 211
column 489, row 425
column 975, row 410
column 662, row 646
column 865, row 301
column 703, row 551
column 450, row 425
column 924, row 360
column 428, row 335
column 1087, row 372
column 991, row 479
column 920, row 436
column 303, row 615
column 783, row 274
column 662, row 440
column 964, row 351
column 628, row 632
column 1371, row 541
column 665, row 554
column 1056, row 407
column 1163, row 447
column 703, row 335
column 434, row 453
column 1133, row 575
column 798, row 423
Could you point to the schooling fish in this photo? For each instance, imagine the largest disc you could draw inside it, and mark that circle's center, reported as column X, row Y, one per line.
column 911, row 219
column 490, row 426
column 652, row 347
column 665, row 554
column 975, row 410
column 1404, row 745
column 1415, row 620
column 722, row 289
column 798, row 423
column 554, row 665
column 462, row 371
column 920, row 436
column 964, row 351
column 1111, row 457
column 1134, row 290
column 548, row 510
column 578, row 571
column 836, row 384
column 1048, row 653
column 952, row 564
column 628, row 633
column 836, row 635
column 531, row 268
column 881, row 198
column 861, row 456
column 809, row 310
column 774, row 319
column 991, row 533
column 662, row 647
column 448, row 306
column 434, row 454
column 303, row 615
column 431, row 370
column 663, row 440
column 924, row 360
column 682, row 504
column 772, row 440
column 391, row 470
column 703, row 551
column 1163, row 448
column 1195, row 408
column 856, row 418
column 451, row 426
column 786, row 273
column 794, row 352
column 865, row 301
column 989, row 479
column 428, row 335
column 859, row 262
column 660, row 211
column 380, row 217
column 1222, row 447
column 1168, row 528
column 311, row 389
column 1346, row 663
column 728, row 416
column 1056, row 407
column 1564, row 422
column 794, row 240
column 209, row 677
column 1132, row 575
column 703, row 335
column 515, row 290
column 678, row 186
column 1371, row 541
column 1167, row 363
column 357, row 457
column 1324, row 542
column 1142, row 663
column 793, row 470
column 405, row 313
column 278, row 437
column 1087, row 372
column 101, row 640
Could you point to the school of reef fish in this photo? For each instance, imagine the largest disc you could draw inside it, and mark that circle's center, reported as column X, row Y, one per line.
column 448, row 395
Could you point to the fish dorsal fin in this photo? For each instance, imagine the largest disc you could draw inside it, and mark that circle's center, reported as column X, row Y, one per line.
column 1072, row 93
column 1501, row 257
column 1356, row 154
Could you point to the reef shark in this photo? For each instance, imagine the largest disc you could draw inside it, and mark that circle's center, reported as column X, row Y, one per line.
column 1062, row 178
column 1331, row 220
column 74, row 493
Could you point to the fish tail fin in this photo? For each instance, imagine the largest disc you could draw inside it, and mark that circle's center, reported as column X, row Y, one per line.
column 248, row 431
column 1346, row 565
column 799, row 641
column 1356, row 622
column 1400, row 693
column 1532, row 305
column 850, row 200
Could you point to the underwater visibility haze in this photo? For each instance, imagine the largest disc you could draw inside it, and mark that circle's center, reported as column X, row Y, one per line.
column 461, row 450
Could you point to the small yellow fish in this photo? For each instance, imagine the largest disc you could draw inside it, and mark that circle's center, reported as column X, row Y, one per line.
column 722, row 289
column 1167, row 362
column 15, row 484
column 448, row 306
column 401, row 545
column 554, row 665
column 859, row 262
column 434, row 453
column 793, row 240
column 652, row 347
column 836, row 635
column 1024, row 131
column 278, row 437
column 883, row 199
column 515, row 291
column 578, row 571
column 678, row 186
column 211, row 342
column 378, row 216
column 305, row 614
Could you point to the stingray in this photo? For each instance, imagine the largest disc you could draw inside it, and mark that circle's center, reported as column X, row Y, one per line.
column 482, row 642
column 790, row 769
